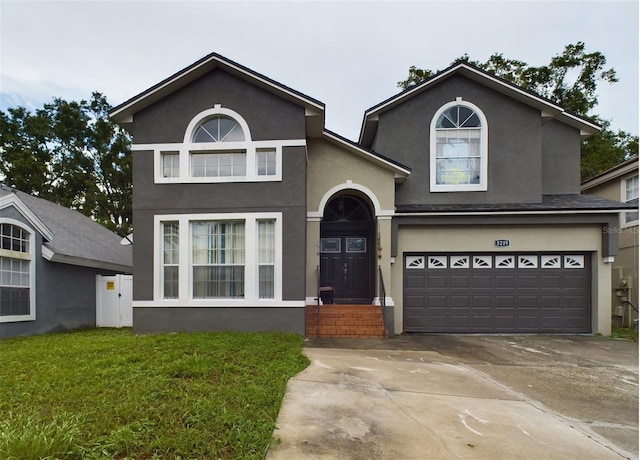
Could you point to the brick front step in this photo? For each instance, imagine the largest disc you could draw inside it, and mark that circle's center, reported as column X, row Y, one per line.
column 345, row 321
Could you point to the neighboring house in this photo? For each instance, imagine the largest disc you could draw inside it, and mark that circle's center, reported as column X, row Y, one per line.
column 621, row 183
column 49, row 259
column 462, row 195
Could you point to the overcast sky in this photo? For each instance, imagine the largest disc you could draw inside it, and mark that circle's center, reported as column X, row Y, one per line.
column 349, row 55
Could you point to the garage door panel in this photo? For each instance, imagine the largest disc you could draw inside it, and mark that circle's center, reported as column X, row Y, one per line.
column 415, row 282
column 550, row 282
column 528, row 282
column 459, row 281
column 573, row 281
column 498, row 293
column 482, row 281
column 506, row 281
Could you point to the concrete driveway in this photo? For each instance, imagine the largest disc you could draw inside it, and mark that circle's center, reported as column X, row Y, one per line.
column 441, row 397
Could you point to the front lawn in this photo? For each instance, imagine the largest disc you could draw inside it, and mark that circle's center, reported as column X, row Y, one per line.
column 109, row 394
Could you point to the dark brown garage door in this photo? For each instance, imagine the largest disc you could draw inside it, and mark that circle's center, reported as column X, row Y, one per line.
column 497, row 293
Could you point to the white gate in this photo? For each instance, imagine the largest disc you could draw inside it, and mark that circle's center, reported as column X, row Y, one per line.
column 114, row 297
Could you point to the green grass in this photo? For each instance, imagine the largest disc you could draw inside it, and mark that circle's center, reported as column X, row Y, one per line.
column 109, row 394
column 624, row 333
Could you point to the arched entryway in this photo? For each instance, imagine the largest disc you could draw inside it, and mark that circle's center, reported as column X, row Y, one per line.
column 347, row 249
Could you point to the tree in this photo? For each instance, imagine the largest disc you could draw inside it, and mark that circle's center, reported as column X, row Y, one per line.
column 72, row 154
column 571, row 80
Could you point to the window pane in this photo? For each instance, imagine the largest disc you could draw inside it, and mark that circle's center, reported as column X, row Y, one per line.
column 170, row 164
column 219, row 129
column 218, row 250
column 170, row 279
column 14, row 238
column 14, row 301
column 171, row 253
column 266, row 162
column 266, row 282
column 266, row 242
column 218, row 281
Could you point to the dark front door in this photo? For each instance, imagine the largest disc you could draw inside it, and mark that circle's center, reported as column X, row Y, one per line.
column 346, row 250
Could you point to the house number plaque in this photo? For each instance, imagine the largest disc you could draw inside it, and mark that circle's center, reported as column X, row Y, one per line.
column 502, row 243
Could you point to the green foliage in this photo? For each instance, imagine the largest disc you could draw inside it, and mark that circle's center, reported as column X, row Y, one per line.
column 108, row 394
column 72, row 154
column 571, row 80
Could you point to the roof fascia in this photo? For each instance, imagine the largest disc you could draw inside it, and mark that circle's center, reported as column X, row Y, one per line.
column 548, row 109
column 401, row 172
column 13, row 200
column 52, row 256
column 124, row 112
column 614, row 173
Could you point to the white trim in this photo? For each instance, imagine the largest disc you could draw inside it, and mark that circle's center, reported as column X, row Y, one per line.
column 262, row 303
column 624, row 199
column 506, row 213
column 217, row 110
column 30, row 256
column 484, row 150
column 404, row 172
column 13, row 200
column 185, row 150
column 349, row 185
column 208, row 62
column 546, row 107
column 613, row 173
column 185, row 284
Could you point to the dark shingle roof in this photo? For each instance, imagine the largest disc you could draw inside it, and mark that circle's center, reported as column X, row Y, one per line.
column 76, row 238
column 548, row 203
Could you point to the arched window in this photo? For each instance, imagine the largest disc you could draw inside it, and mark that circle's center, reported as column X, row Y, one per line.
column 16, row 274
column 217, row 147
column 219, row 129
column 458, row 156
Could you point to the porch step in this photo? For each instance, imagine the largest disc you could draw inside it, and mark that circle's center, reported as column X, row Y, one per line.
column 345, row 321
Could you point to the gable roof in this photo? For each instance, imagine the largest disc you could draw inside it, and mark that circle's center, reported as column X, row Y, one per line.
column 401, row 171
column 69, row 236
column 616, row 172
column 314, row 109
column 548, row 109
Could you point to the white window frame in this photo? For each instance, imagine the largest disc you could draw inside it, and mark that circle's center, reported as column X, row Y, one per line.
column 249, row 147
column 484, row 148
column 185, row 274
column 625, row 199
column 29, row 256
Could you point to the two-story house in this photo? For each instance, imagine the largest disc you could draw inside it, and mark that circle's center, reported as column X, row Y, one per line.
column 462, row 197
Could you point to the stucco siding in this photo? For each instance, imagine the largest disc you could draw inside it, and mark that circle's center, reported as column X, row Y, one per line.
column 246, row 319
column 560, row 159
column 514, row 145
column 268, row 116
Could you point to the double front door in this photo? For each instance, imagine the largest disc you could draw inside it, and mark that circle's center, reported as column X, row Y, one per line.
column 346, row 264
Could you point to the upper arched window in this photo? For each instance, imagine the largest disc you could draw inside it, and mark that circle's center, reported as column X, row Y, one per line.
column 458, row 148
column 218, row 147
column 219, row 129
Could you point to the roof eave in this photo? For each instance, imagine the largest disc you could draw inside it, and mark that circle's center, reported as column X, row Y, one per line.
column 400, row 172
column 123, row 113
column 57, row 257
column 548, row 109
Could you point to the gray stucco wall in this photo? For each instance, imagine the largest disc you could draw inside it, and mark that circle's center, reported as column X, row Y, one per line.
column 560, row 159
column 269, row 118
column 149, row 320
column 514, row 136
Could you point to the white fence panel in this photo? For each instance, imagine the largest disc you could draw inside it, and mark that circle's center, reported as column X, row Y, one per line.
column 114, row 300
